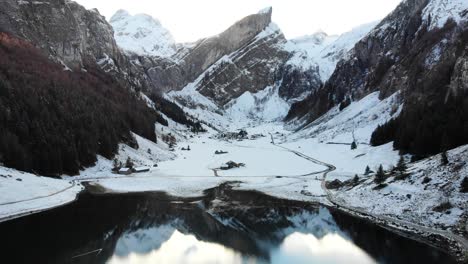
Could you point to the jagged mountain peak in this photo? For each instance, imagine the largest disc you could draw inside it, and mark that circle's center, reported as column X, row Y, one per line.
column 142, row 34
column 119, row 15
column 266, row 10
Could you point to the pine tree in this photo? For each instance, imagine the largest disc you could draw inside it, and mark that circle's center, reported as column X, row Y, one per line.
column 356, row 179
column 380, row 175
column 444, row 158
column 464, row 185
column 129, row 163
column 401, row 165
column 368, row 171
column 116, row 165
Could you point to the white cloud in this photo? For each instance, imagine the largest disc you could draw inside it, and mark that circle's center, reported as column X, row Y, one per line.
column 189, row 20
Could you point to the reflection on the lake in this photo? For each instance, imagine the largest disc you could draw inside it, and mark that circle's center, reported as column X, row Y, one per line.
column 180, row 248
column 306, row 248
column 223, row 227
column 146, row 246
column 304, row 237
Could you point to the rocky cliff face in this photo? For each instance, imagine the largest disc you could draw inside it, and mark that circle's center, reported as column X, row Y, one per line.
column 208, row 51
column 251, row 68
column 72, row 36
column 62, row 28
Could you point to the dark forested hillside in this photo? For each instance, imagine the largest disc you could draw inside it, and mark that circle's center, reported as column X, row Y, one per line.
column 54, row 121
column 435, row 114
column 174, row 112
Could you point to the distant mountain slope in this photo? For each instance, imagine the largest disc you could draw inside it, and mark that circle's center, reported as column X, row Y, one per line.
column 142, row 34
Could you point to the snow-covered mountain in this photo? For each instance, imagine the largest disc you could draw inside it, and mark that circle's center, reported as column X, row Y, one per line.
column 260, row 80
column 142, row 34
column 324, row 51
column 418, row 49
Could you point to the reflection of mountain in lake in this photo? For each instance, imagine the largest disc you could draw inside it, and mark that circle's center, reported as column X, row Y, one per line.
column 303, row 235
column 224, row 227
column 144, row 240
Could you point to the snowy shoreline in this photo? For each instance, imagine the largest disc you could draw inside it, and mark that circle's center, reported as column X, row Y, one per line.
column 23, row 194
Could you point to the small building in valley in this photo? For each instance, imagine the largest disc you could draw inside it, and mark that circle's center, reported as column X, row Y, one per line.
column 141, row 169
column 125, row 171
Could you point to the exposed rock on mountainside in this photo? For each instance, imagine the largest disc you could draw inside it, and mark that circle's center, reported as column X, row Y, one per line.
column 295, row 83
column 208, row 51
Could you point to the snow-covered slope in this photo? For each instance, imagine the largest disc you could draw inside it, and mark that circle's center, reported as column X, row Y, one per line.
column 329, row 138
column 324, row 51
column 361, row 118
column 417, row 198
column 438, row 12
column 264, row 106
column 142, row 34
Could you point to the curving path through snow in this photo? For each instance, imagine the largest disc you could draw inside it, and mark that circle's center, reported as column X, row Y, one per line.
column 380, row 219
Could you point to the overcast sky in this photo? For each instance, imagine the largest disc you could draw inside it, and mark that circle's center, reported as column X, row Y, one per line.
column 190, row 20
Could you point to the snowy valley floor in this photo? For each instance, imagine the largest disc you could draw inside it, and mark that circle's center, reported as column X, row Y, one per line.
column 292, row 168
column 286, row 170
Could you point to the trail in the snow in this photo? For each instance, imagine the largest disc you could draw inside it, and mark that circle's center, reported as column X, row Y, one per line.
column 43, row 196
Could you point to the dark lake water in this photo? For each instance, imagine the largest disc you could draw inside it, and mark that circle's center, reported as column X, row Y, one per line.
column 223, row 227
